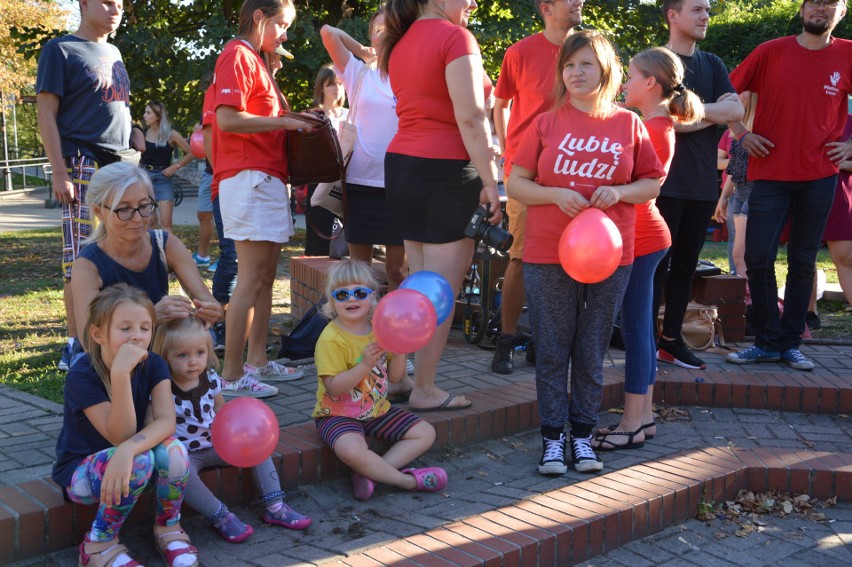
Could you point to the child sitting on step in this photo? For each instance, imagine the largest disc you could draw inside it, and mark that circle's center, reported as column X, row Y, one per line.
column 353, row 374
column 197, row 389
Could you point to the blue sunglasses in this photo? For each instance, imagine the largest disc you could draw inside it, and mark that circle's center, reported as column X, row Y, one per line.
column 360, row 293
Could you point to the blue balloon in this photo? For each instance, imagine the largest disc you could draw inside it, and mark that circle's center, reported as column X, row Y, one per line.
column 436, row 288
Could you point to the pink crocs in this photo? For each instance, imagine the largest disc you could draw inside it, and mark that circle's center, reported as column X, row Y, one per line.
column 429, row 479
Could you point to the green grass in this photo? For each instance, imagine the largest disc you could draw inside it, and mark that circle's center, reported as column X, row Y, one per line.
column 32, row 314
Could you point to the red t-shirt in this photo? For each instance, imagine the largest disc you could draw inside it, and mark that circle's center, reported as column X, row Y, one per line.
column 526, row 78
column 569, row 148
column 208, row 118
column 417, row 69
column 802, row 105
column 242, row 81
column 652, row 232
column 725, row 146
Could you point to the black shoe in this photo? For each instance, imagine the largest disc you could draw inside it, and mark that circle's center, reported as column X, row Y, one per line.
column 552, row 455
column 583, row 455
column 530, row 356
column 504, row 354
column 219, row 343
column 813, row 320
column 678, row 354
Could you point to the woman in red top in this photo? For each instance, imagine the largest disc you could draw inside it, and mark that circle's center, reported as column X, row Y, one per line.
column 587, row 152
column 654, row 86
column 439, row 166
column 250, row 169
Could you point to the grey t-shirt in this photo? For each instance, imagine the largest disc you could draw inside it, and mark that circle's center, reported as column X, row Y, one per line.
column 93, row 89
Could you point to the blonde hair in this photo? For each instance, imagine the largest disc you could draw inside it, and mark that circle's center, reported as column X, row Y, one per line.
column 164, row 126
column 667, row 69
column 101, row 310
column 750, row 105
column 178, row 330
column 610, row 69
column 349, row 272
column 107, row 187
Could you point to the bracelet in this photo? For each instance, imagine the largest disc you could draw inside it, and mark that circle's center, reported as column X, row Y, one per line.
column 742, row 136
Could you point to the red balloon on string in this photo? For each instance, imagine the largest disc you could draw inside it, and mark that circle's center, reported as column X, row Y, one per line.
column 245, row 432
column 196, row 145
column 590, row 247
column 404, row 321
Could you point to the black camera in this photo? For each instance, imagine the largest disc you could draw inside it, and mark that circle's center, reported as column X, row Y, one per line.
column 495, row 236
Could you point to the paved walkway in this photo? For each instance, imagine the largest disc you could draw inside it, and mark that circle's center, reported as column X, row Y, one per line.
column 488, row 475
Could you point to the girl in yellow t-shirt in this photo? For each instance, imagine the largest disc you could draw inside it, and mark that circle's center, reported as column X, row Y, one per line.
column 353, row 374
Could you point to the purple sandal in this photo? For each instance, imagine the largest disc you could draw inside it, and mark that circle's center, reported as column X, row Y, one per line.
column 362, row 487
column 429, row 479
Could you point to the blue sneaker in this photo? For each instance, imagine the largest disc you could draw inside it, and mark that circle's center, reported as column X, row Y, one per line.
column 754, row 354
column 213, row 266
column 65, row 359
column 199, row 261
column 794, row 358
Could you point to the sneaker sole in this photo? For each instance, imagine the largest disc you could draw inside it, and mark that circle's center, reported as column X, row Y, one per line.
column 753, row 360
column 663, row 356
column 799, row 365
column 63, row 366
column 590, row 466
column 281, row 377
column 553, row 469
column 244, row 394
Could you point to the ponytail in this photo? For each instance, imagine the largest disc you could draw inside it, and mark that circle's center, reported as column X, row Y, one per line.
column 685, row 106
column 399, row 15
column 667, row 69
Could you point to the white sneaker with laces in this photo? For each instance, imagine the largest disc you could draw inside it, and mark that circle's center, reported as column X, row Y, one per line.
column 247, row 387
column 409, row 367
column 274, row 372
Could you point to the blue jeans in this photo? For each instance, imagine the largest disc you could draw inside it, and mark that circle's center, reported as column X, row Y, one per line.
column 639, row 324
column 225, row 278
column 806, row 204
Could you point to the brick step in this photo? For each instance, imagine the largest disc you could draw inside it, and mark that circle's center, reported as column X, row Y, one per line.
column 35, row 519
column 589, row 518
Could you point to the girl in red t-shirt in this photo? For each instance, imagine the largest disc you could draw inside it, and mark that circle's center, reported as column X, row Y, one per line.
column 251, row 171
column 604, row 154
column 654, row 86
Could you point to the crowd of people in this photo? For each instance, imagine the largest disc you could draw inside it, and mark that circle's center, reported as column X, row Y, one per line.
column 144, row 388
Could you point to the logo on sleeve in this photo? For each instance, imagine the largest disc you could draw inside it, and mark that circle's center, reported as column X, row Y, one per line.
column 832, row 89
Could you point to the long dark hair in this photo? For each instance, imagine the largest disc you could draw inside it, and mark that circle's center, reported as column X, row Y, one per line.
column 399, row 15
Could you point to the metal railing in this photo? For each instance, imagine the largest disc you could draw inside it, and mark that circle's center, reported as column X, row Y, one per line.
column 36, row 172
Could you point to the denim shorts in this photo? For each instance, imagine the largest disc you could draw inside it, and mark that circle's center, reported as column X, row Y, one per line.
column 164, row 189
column 205, row 203
column 739, row 198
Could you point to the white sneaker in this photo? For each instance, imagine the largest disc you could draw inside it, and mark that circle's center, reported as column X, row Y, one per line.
column 247, row 387
column 583, row 456
column 274, row 372
column 409, row 367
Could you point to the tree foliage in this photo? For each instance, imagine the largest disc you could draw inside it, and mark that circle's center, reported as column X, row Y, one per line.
column 44, row 17
column 169, row 44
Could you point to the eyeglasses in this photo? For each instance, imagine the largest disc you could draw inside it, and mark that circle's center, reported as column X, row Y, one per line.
column 360, row 293
column 126, row 213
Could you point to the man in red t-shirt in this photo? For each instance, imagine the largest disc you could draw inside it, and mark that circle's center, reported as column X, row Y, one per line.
column 794, row 152
column 526, row 82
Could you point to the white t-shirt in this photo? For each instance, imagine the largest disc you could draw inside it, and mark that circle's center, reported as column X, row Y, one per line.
column 375, row 119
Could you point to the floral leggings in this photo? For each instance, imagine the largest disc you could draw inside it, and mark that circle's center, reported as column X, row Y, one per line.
column 167, row 465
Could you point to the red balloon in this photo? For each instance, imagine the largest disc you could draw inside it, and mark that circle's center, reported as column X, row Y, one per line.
column 196, row 145
column 245, row 432
column 590, row 247
column 404, row 321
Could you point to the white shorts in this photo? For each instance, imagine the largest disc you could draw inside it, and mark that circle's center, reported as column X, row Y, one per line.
column 255, row 206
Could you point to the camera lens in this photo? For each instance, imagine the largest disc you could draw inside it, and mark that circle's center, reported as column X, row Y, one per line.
column 495, row 237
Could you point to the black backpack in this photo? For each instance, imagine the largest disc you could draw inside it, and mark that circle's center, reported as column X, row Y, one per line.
column 302, row 340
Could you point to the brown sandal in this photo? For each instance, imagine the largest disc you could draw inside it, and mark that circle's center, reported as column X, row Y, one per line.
column 161, row 541
column 103, row 554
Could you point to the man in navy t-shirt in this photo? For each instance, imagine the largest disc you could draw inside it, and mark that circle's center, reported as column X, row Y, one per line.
column 83, row 95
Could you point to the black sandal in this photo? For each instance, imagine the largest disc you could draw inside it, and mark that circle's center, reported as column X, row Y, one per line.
column 601, row 439
column 648, row 436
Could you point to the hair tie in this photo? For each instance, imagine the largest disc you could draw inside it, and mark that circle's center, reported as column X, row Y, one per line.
column 679, row 88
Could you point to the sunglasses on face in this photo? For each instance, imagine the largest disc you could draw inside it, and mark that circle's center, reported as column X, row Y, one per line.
column 360, row 293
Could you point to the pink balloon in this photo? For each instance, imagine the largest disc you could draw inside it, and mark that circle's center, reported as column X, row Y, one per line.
column 196, row 145
column 404, row 321
column 590, row 247
column 245, row 432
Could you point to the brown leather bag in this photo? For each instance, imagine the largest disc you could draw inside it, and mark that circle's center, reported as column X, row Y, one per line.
column 313, row 156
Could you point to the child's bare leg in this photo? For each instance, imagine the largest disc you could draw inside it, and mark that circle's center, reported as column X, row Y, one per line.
column 417, row 441
column 351, row 448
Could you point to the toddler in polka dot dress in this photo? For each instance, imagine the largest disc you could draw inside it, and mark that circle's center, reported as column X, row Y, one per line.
column 197, row 388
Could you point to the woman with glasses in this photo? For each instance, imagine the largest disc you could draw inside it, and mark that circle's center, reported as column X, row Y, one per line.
column 123, row 250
